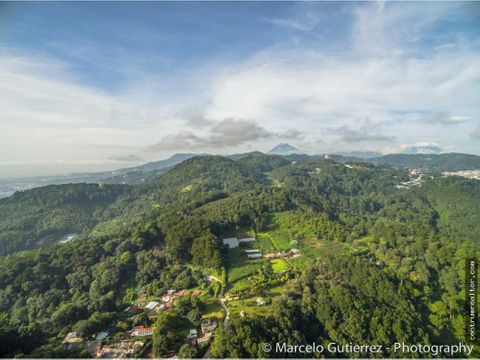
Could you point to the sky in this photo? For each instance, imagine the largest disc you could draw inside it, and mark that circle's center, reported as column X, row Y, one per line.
column 100, row 85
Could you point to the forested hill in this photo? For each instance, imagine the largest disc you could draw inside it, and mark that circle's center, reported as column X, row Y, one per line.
column 373, row 252
column 44, row 215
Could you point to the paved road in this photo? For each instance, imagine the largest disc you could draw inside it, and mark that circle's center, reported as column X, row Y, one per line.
column 227, row 313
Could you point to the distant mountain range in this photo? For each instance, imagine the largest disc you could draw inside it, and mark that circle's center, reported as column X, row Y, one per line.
column 141, row 173
column 131, row 158
column 360, row 154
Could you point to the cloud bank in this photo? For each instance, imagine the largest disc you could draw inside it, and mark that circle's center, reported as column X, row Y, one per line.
column 391, row 64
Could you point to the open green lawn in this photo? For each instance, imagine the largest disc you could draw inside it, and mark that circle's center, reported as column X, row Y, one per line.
column 275, row 241
column 279, row 265
column 319, row 247
column 275, row 291
column 312, row 249
column 213, row 309
column 249, row 306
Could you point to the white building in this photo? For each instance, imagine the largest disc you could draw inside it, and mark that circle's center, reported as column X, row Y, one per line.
column 254, row 256
column 246, row 239
column 151, row 305
column 231, row 242
column 261, row 302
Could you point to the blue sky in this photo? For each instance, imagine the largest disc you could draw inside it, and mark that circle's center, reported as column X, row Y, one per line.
column 84, row 84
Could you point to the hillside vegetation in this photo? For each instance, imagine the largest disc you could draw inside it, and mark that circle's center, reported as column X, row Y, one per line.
column 379, row 265
column 42, row 216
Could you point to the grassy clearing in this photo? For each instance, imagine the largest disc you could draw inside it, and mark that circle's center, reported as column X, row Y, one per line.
column 272, row 181
column 213, row 309
column 276, row 291
column 279, row 265
column 315, row 248
column 264, row 243
column 362, row 243
column 274, row 241
column 248, row 306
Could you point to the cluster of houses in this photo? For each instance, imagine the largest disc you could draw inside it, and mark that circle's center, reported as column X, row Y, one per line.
column 125, row 348
column 156, row 306
column 415, row 179
column 290, row 254
column 120, row 349
column 468, row 174
column 131, row 343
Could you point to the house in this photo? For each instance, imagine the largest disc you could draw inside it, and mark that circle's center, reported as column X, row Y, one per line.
column 251, row 251
column 141, row 300
column 101, row 336
column 231, row 242
column 261, row 302
column 254, row 256
column 132, row 309
column 151, row 305
column 72, row 340
column 209, row 325
column 193, row 334
column 192, row 337
column 245, row 240
column 142, row 331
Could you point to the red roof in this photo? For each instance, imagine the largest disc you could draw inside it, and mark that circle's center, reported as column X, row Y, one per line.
column 145, row 331
column 132, row 309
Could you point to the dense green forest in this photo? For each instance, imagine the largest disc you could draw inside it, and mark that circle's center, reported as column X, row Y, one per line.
column 44, row 215
column 400, row 277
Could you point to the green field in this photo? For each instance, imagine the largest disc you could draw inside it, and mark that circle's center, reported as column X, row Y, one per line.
column 276, row 291
column 240, row 268
column 279, row 265
column 213, row 309
column 248, row 306
column 275, row 241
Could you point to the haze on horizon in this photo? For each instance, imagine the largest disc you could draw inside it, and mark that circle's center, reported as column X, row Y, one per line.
column 90, row 86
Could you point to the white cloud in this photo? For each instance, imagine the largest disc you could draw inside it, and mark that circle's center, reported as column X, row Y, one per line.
column 319, row 97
